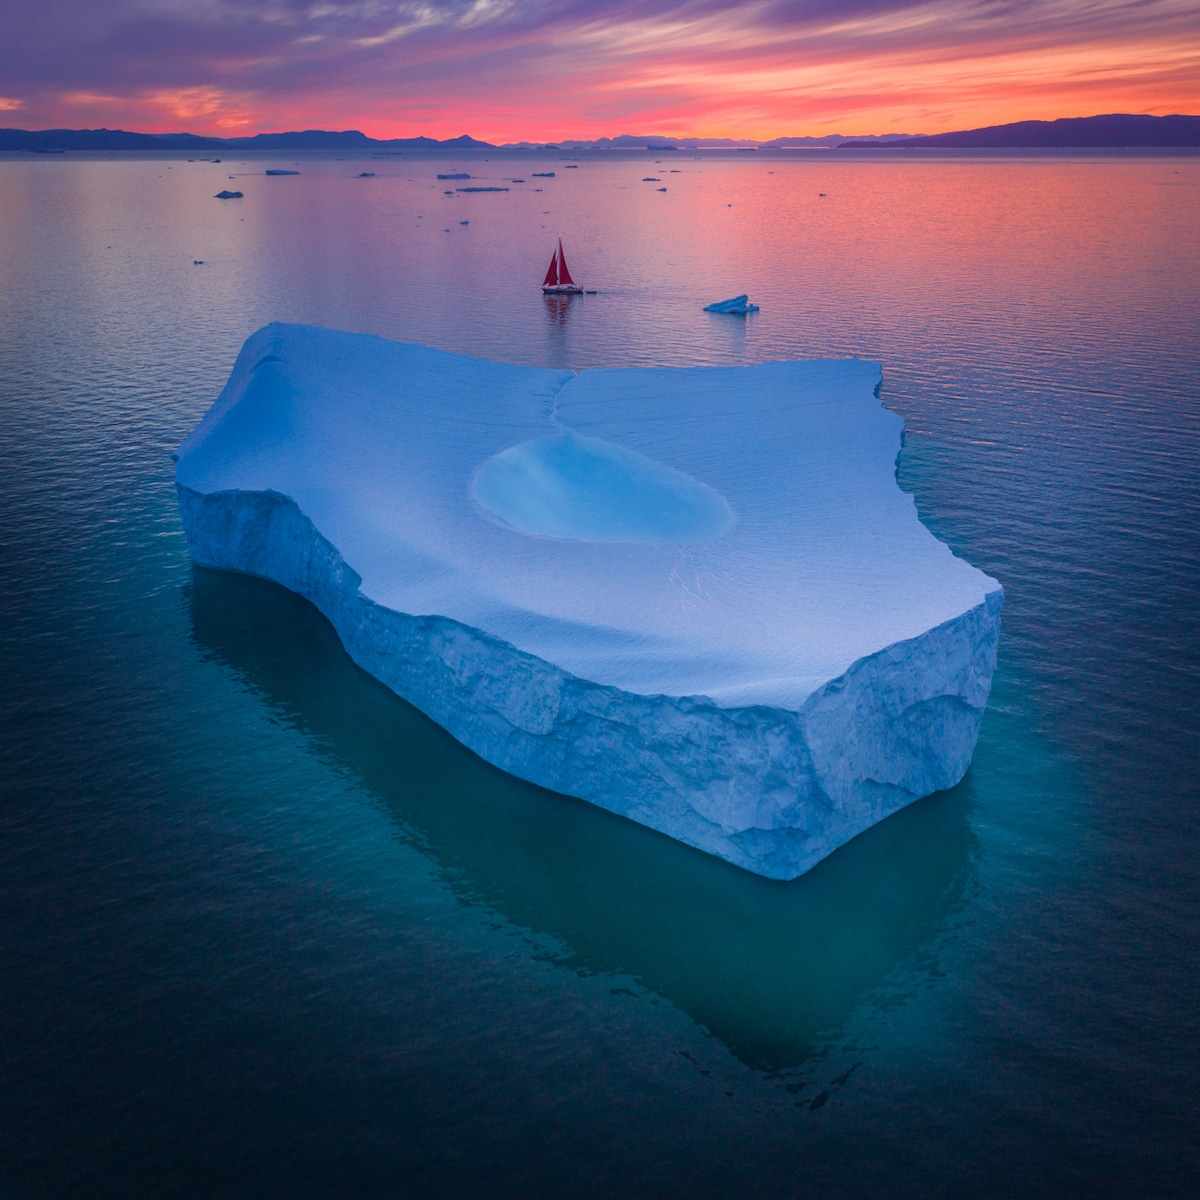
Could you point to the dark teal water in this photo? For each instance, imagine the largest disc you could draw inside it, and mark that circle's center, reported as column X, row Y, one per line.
column 266, row 930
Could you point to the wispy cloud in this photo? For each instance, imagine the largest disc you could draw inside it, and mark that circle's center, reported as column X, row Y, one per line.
column 553, row 68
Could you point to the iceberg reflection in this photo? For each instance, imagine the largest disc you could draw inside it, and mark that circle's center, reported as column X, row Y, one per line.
column 768, row 968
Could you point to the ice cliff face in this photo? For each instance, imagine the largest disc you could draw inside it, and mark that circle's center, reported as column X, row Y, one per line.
column 694, row 597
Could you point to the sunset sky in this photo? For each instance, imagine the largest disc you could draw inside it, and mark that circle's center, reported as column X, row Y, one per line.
column 506, row 70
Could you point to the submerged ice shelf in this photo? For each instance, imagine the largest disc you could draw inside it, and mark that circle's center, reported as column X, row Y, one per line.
column 695, row 597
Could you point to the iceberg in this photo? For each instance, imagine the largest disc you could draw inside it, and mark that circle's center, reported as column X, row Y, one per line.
column 695, row 597
column 739, row 304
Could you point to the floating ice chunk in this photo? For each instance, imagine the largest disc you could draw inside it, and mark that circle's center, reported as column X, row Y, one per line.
column 739, row 304
column 281, row 171
column 695, row 597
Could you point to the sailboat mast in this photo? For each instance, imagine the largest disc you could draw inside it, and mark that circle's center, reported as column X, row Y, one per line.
column 564, row 276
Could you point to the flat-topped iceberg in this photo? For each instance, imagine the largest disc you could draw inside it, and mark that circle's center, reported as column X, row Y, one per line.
column 696, row 597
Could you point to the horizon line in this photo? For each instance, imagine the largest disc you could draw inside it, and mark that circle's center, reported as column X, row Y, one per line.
column 617, row 141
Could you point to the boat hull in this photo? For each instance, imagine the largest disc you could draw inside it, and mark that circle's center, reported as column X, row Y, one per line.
column 559, row 289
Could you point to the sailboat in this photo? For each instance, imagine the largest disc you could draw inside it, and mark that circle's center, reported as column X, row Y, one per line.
column 558, row 281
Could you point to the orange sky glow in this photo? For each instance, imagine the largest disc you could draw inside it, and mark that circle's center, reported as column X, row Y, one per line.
column 507, row 71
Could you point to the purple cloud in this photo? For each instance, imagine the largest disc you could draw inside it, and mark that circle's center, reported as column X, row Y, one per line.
column 387, row 66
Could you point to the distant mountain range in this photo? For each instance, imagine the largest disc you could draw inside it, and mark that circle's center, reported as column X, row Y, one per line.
column 1114, row 130
column 1111, row 131
column 49, row 140
column 657, row 144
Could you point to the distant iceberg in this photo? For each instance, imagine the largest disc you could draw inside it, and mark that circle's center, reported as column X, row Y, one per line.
column 228, row 195
column 695, row 597
column 739, row 304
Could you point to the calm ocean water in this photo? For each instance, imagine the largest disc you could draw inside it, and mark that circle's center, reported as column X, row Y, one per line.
column 266, row 930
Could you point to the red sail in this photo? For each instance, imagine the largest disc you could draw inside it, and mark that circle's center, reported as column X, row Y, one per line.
column 551, row 274
column 564, row 276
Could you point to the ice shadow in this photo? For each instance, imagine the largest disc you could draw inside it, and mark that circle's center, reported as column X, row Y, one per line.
column 770, row 969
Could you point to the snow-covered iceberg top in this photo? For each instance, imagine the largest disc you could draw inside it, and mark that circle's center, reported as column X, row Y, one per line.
column 585, row 489
column 693, row 596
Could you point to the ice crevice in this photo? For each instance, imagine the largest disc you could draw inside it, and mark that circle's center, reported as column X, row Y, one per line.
column 830, row 665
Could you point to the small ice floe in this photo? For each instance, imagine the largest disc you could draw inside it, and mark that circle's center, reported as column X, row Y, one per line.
column 197, row 262
column 366, row 175
column 739, row 304
column 516, row 181
column 228, row 195
column 281, row 171
column 455, row 175
column 543, row 174
column 649, row 178
column 464, row 222
column 481, row 189
column 660, row 189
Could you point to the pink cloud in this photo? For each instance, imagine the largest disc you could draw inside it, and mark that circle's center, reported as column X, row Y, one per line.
column 503, row 69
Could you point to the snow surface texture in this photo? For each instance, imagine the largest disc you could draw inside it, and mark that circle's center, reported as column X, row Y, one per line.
column 695, row 597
